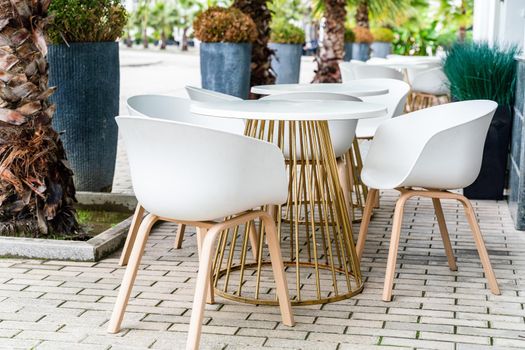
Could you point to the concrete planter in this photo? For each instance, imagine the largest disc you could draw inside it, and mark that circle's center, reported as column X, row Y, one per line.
column 225, row 67
column 94, row 249
column 286, row 62
column 361, row 51
column 348, row 52
column 88, row 79
column 381, row 49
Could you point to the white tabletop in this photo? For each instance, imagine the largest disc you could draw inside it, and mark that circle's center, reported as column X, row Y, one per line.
column 290, row 110
column 356, row 90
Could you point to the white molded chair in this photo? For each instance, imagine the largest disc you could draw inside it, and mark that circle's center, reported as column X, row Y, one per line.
column 204, row 95
column 176, row 109
column 429, row 87
column 395, row 101
column 351, row 71
column 436, row 149
column 178, row 179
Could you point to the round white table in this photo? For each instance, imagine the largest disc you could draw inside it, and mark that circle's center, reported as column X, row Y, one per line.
column 314, row 226
column 360, row 90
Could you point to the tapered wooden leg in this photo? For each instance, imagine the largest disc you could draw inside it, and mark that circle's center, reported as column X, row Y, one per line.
column 376, row 200
column 344, row 181
column 365, row 221
column 210, row 296
column 444, row 234
column 394, row 245
column 254, row 240
column 131, row 273
column 132, row 233
column 278, row 272
column 480, row 245
column 180, row 236
column 201, row 288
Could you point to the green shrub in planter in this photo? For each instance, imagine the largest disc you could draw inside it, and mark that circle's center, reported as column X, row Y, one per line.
column 478, row 71
column 382, row 45
column 349, row 40
column 225, row 51
column 286, row 41
column 84, row 65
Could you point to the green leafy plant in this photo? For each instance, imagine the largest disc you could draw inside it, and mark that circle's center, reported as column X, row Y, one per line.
column 230, row 25
column 478, row 71
column 349, row 35
column 363, row 35
column 86, row 20
column 383, row 34
column 284, row 32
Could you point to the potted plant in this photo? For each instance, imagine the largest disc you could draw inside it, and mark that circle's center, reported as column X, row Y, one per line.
column 225, row 51
column 84, row 66
column 480, row 71
column 382, row 45
column 361, row 45
column 286, row 40
column 349, row 42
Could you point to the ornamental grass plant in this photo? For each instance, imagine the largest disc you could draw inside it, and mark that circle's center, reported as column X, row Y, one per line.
column 86, row 20
column 224, row 25
column 284, row 32
column 476, row 70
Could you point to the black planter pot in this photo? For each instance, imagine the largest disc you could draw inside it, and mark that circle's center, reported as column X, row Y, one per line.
column 491, row 180
column 225, row 67
column 87, row 76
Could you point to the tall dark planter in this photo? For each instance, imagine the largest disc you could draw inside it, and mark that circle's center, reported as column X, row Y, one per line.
column 491, row 180
column 348, row 52
column 360, row 51
column 225, row 67
column 87, row 76
column 286, row 62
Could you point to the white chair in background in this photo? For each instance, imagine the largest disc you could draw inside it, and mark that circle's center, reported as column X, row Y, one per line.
column 204, row 95
column 425, row 154
column 351, row 71
column 178, row 179
column 176, row 109
column 429, row 87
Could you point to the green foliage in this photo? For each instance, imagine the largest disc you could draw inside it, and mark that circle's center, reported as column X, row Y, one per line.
column 479, row 71
column 383, row 34
column 415, row 40
column 164, row 17
column 86, row 20
column 349, row 35
column 284, row 32
column 288, row 10
column 230, row 25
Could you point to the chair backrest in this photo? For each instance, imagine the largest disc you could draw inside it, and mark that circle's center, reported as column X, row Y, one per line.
column 438, row 147
column 187, row 172
column 351, row 71
column 204, row 95
column 342, row 132
column 178, row 109
column 395, row 101
column 430, row 81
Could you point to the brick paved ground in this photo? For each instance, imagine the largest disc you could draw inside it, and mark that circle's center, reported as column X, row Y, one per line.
column 66, row 305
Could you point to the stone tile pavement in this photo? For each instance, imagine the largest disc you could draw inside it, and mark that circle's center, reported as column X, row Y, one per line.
column 66, row 305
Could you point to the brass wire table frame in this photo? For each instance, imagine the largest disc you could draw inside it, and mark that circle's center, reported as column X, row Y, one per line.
column 313, row 226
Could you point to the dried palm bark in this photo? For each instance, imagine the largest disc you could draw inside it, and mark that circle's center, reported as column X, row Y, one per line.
column 36, row 184
column 261, row 72
column 332, row 50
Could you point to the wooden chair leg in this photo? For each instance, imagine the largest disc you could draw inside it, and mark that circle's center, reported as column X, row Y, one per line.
column 480, row 245
column 343, row 179
column 444, row 234
column 201, row 288
column 253, row 236
column 394, row 245
column 278, row 271
column 365, row 221
column 210, row 296
column 132, row 234
column 181, row 229
column 131, row 273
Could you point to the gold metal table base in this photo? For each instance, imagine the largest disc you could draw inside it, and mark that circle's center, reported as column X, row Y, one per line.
column 314, row 227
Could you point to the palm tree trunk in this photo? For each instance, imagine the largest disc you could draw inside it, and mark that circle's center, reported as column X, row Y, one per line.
column 261, row 72
column 184, row 41
column 163, row 40
column 332, row 49
column 36, row 185
column 361, row 14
